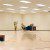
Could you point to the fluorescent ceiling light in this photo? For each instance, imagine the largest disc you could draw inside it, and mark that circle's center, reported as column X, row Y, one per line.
column 8, row 4
column 45, row 10
column 33, row 11
column 10, row 9
column 45, row 48
column 48, row 7
column 25, row 1
column 22, row 10
column 36, row 9
column 1, row 10
column 40, row 5
column 23, row 7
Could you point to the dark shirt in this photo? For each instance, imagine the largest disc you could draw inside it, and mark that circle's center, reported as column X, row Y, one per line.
column 29, row 28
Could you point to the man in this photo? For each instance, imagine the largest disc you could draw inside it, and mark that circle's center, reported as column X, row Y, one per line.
column 15, row 26
column 30, row 27
column 23, row 27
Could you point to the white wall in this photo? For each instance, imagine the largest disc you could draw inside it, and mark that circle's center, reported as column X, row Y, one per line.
column 7, row 20
column 40, row 20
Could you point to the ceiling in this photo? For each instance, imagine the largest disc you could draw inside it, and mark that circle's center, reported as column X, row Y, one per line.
column 29, row 6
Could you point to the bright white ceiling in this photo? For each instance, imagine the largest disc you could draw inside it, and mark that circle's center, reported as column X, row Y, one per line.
column 31, row 6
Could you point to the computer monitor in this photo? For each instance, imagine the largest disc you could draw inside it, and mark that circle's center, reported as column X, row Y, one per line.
column 2, row 38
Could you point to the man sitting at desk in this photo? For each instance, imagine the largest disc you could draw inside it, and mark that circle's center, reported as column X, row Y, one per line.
column 30, row 27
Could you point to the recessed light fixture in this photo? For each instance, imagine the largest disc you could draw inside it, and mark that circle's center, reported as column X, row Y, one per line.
column 45, row 10
column 33, row 11
column 1, row 10
column 23, row 1
column 48, row 7
column 23, row 7
column 10, row 9
column 8, row 4
column 45, row 48
column 36, row 9
column 40, row 5
column 22, row 10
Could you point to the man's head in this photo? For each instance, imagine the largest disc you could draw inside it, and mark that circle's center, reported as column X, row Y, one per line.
column 15, row 22
column 31, row 24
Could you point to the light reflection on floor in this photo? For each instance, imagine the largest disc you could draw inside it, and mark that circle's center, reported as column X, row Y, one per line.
column 25, row 40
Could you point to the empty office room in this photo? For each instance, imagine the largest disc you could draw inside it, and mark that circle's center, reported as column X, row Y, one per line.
column 24, row 24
